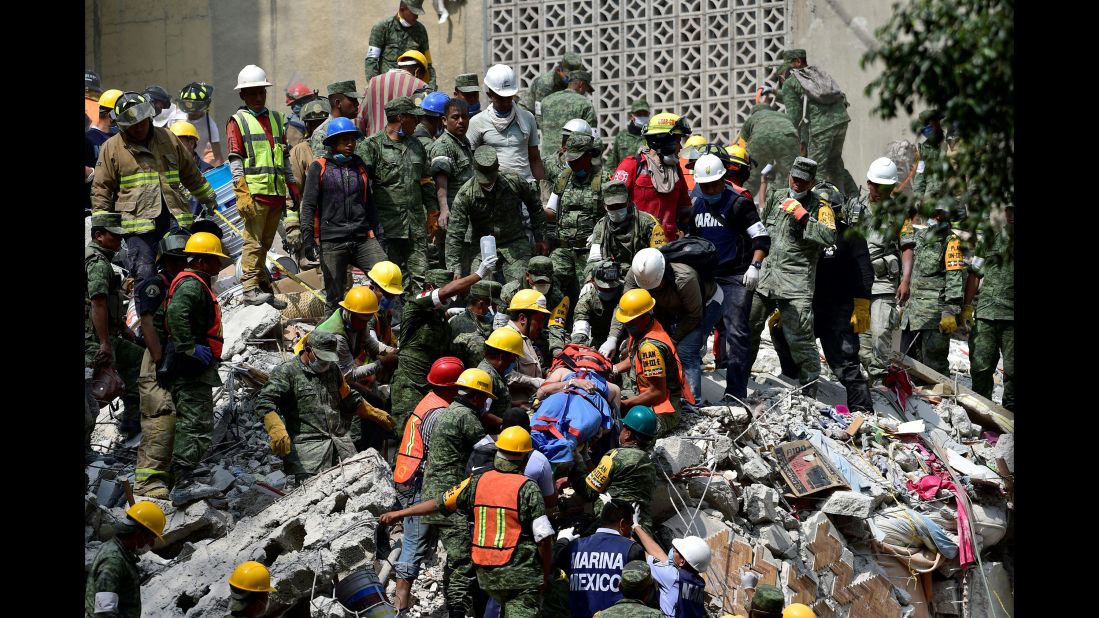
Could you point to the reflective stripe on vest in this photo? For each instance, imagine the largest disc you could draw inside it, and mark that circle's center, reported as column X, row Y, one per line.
column 410, row 457
column 138, row 226
column 213, row 334
column 691, row 601
column 264, row 168
column 595, row 572
column 496, row 525
column 658, row 333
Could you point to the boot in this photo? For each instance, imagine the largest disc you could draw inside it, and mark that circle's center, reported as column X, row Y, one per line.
column 255, row 296
column 266, row 286
column 403, row 596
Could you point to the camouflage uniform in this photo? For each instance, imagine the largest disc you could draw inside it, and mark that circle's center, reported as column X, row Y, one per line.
column 578, row 209
column 621, row 241
column 927, row 182
column 316, row 140
column 629, row 140
column 436, row 243
column 994, row 328
column 789, row 273
column 452, row 157
column 501, row 396
column 114, row 570
column 470, row 348
column 597, row 314
column 938, row 282
column 561, row 107
column 547, row 84
column 626, row 473
column 466, row 322
column 630, row 608
column 389, row 39
column 770, row 137
column 425, row 336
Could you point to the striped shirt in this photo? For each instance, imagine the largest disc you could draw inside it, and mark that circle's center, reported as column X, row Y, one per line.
column 380, row 90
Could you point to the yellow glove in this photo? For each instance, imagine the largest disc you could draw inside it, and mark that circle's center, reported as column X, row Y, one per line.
column 280, row 440
column 860, row 317
column 245, row 205
column 775, row 319
column 967, row 316
column 381, row 417
column 947, row 325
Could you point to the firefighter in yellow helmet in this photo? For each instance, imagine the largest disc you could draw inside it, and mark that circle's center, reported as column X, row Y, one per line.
column 653, row 176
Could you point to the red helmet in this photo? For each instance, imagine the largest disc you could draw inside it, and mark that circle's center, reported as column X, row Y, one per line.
column 445, row 371
column 297, row 91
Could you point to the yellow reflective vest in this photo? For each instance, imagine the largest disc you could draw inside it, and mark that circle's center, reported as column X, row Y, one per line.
column 264, row 166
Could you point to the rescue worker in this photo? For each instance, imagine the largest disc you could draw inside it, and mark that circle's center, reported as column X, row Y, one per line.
column 636, row 586
column 343, row 102
column 688, row 156
column 337, row 195
column 678, row 577
column 108, row 342
column 386, row 281
column 575, row 211
column 540, row 277
column 555, row 80
column 771, row 138
column 629, row 142
column 528, row 314
column 563, row 105
column 297, row 95
column 401, row 187
column 800, row 223
column 408, row 472
column 624, row 230
column 431, row 123
column 261, row 179
column 467, row 87
column 391, row 37
column 993, row 323
column 512, row 544
column 650, row 360
column 192, row 317
column 249, row 589
column 313, row 114
column 594, row 562
column 724, row 216
column 502, row 351
column 555, row 164
column 140, row 173
column 187, row 134
column 158, row 418
column 595, row 309
column 355, row 345
column 113, row 586
column 194, row 99
column 479, row 311
column 653, row 177
column 451, row 166
column 406, row 80
column 490, row 205
column 927, row 183
column 93, row 88
column 767, row 602
column 103, row 126
column 511, row 131
column 166, row 112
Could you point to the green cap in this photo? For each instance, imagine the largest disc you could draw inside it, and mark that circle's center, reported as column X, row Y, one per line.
column 317, row 109
column 581, row 75
column 571, row 61
column 323, row 344
column 615, row 192
column 485, row 164
column 931, row 114
column 416, row 6
column 439, row 277
column 793, row 54
column 804, row 168
column 467, row 82
column 578, row 145
column 486, row 289
column 540, row 269
column 640, row 105
column 635, row 579
column 607, row 275
column 768, row 599
column 110, row 221
column 403, row 105
column 346, row 88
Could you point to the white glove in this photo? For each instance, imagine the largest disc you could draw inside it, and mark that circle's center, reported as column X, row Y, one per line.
column 751, row 278
column 636, row 514
column 453, row 311
column 487, row 266
column 568, row 533
column 500, row 320
column 609, row 347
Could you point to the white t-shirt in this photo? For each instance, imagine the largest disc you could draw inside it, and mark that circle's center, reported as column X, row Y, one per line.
column 511, row 146
column 207, row 131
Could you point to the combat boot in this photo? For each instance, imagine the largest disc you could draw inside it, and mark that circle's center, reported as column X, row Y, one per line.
column 255, row 296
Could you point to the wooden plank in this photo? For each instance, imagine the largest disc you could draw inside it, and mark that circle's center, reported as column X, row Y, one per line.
column 985, row 411
column 853, row 428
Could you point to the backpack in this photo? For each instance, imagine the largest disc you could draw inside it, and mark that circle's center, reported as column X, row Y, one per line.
column 819, row 86
column 696, row 252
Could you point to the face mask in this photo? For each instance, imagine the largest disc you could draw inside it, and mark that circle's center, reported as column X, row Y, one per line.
column 580, row 174
column 669, row 160
column 608, row 296
column 509, row 368
column 500, row 114
column 401, row 133
column 488, row 405
column 342, row 158
column 927, row 131
column 542, row 287
column 711, row 199
column 618, row 216
column 404, row 24
column 383, row 303
column 473, row 109
column 565, row 79
column 319, row 366
column 641, row 121
column 796, row 195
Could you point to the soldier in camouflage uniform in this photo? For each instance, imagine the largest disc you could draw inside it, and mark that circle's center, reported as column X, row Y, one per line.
column 451, row 166
column 548, row 83
column 343, row 102
column 636, row 586
column 993, row 331
column 595, row 309
column 308, row 409
column 431, row 123
column 564, row 105
column 624, row 230
column 800, row 223
column 313, row 114
column 772, row 139
column 402, row 188
column 540, row 276
column 107, row 340
column 629, row 142
column 484, row 296
column 938, row 282
column 394, row 36
column 576, row 210
column 933, row 164
column 113, row 586
column 490, row 204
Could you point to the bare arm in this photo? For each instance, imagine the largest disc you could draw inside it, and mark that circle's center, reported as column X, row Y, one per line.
column 651, row 546
column 545, row 551
column 536, row 167
column 656, row 394
column 907, row 259
column 971, row 283
column 441, row 182
column 427, row 507
column 152, row 341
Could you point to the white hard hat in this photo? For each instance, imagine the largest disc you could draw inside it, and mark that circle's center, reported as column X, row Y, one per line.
column 695, row 551
column 500, row 79
column 251, row 76
column 648, row 267
column 576, row 125
column 882, row 171
column 709, row 168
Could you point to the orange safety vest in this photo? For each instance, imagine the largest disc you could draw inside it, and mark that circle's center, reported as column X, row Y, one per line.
column 658, row 333
column 411, row 455
column 213, row 334
column 496, row 525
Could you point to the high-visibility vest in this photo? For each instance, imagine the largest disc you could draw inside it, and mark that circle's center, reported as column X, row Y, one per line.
column 410, row 457
column 658, row 333
column 496, row 526
column 264, row 166
column 213, row 334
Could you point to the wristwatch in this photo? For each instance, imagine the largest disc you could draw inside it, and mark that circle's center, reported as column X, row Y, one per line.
column 757, row 264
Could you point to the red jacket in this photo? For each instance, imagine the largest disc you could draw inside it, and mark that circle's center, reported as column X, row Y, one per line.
column 664, row 206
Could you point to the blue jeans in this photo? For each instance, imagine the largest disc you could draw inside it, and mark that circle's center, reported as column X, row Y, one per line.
column 419, row 538
column 689, row 348
column 141, row 248
column 736, row 308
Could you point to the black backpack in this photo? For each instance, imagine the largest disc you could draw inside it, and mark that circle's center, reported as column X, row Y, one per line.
column 696, row 252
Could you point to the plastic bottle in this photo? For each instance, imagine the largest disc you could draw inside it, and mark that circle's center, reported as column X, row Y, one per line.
column 488, row 246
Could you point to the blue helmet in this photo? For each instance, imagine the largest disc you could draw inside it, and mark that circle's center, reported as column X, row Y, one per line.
column 339, row 126
column 435, row 102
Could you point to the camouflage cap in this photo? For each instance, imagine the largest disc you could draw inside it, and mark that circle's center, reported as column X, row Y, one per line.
column 416, row 6
column 317, row 109
column 768, row 599
column 571, row 61
column 615, row 192
column 467, row 82
column 346, row 88
column 607, row 275
column 793, row 54
column 804, row 168
column 635, row 578
column 540, row 269
column 578, row 145
column 402, row 105
column 485, row 164
column 640, row 105
column 110, row 221
column 323, row 344
column 582, row 75
column 439, row 277
column 486, row 289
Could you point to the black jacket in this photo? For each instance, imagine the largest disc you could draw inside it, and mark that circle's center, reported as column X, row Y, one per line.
column 340, row 200
column 844, row 272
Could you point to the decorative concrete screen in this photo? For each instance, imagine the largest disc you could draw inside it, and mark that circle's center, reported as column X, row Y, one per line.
column 702, row 59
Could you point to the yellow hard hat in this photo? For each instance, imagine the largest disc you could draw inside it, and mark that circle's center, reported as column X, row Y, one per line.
column 204, row 242
column 360, row 299
column 514, row 440
column 528, row 299
column 694, row 140
column 476, row 379
column 506, row 339
column 149, row 515
column 412, row 54
column 798, row 610
column 634, row 303
column 388, row 276
column 109, row 98
column 738, row 154
column 252, row 576
column 182, row 128
column 667, row 122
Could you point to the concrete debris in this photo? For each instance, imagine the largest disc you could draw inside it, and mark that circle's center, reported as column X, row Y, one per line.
column 760, row 504
column 775, row 538
column 675, row 454
column 718, row 494
column 1005, row 449
column 990, row 593
column 247, row 322
column 849, row 503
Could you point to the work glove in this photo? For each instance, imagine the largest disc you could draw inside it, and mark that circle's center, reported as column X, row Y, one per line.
column 453, row 311
column 487, row 266
column 751, row 278
column 432, row 224
column 245, row 205
column 947, row 325
column 775, row 320
column 210, row 206
column 280, row 440
column 381, row 417
column 568, row 533
column 860, row 317
column 794, row 209
column 636, row 514
column 967, row 316
column 204, row 354
column 312, row 253
column 609, row 347
column 292, row 242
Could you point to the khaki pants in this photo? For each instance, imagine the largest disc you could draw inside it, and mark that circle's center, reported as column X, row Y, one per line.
column 158, row 423
column 259, row 233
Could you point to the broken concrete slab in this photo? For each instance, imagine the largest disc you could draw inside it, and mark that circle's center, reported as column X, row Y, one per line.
column 718, row 494
column 222, row 479
column 754, row 467
column 674, row 454
column 849, row 503
column 760, row 504
column 705, row 524
column 194, row 522
column 247, row 322
column 109, row 493
column 977, row 598
column 775, row 538
column 1005, row 449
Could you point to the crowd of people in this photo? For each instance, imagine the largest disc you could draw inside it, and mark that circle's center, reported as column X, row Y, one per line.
column 537, row 306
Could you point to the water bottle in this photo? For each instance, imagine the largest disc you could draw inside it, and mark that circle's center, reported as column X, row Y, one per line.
column 488, row 246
